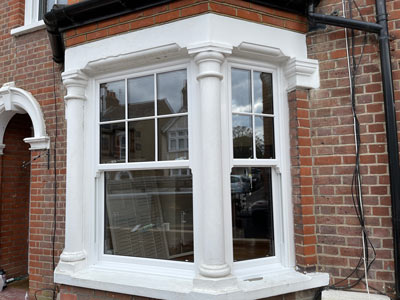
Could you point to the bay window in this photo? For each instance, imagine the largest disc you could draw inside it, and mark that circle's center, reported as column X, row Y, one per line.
column 178, row 163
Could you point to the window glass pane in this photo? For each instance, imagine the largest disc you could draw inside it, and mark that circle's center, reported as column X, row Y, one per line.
column 252, row 215
column 149, row 214
column 171, row 92
column 264, row 130
column 141, row 97
column 242, row 136
column 141, row 141
column 50, row 4
column 241, row 91
column 112, row 143
column 112, row 101
column 173, row 138
column 263, row 93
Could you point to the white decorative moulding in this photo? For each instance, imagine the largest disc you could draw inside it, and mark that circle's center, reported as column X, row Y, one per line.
column 302, row 73
column 134, row 59
column 15, row 100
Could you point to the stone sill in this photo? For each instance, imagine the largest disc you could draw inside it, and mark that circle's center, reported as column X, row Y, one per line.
column 28, row 28
column 344, row 295
column 172, row 287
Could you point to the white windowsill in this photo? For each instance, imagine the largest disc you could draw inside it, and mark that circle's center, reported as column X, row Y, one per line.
column 28, row 28
column 105, row 277
column 346, row 295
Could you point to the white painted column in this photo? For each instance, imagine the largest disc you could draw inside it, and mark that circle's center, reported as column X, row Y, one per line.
column 74, row 253
column 213, row 263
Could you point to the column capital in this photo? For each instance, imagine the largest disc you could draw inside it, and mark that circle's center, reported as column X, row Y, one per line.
column 76, row 82
column 209, row 58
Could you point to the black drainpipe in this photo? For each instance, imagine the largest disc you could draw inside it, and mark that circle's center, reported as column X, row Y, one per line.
column 381, row 29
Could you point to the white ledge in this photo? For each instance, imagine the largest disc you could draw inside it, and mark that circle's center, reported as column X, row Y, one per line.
column 105, row 277
column 345, row 295
column 2, row 146
column 28, row 28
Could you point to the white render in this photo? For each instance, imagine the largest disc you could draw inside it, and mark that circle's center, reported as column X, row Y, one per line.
column 14, row 100
column 205, row 46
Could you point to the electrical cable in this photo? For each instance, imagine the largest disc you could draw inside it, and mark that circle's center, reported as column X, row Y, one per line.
column 54, row 289
column 55, row 172
column 356, row 184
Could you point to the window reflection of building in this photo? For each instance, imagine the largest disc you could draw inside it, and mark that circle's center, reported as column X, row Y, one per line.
column 148, row 213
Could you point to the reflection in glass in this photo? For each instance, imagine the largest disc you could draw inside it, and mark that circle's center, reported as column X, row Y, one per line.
column 241, row 90
column 141, row 141
column 47, row 5
column 173, row 140
column 112, row 143
column 141, row 97
column 149, row 214
column 171, row 92
column 252, row 215
column 264, row 131
column 263, row 98
column 112, row 101
column 242, row 136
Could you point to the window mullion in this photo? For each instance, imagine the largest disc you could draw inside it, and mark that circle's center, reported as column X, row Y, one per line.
column 155, row 119
column 127, row 142
column 252, row 114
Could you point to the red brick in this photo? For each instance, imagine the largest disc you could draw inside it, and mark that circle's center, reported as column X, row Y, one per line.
column 248, row 15
column 194, row 10
column 166, row 17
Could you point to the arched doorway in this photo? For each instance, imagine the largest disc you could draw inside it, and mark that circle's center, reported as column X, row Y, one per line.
column 22, row 128
column 14, row 198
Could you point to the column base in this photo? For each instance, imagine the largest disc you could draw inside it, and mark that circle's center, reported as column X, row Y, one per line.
column 214, row 271
column 71, row 262
column 72, row 256
column 215, row 285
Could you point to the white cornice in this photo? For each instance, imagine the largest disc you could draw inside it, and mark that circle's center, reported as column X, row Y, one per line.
column 125, row 61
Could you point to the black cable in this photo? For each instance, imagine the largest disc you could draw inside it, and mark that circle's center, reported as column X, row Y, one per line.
column 54, row 289
column 355, row 184
column 55, row 173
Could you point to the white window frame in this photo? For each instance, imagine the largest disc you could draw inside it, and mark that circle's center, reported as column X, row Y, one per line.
column 31, row 19
column 139, row 264
column 245, row 268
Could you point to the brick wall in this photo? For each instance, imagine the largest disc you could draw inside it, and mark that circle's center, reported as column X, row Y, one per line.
column 333, row 151
column 302, row 181
column 14, row 198
column 184, row 9
column 26, row 60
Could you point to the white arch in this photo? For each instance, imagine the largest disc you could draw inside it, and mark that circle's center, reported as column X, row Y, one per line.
column 15, row 100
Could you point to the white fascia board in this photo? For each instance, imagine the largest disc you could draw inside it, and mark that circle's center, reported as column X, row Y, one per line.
column 208, row 28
